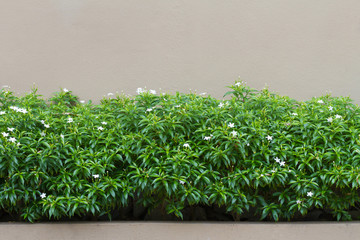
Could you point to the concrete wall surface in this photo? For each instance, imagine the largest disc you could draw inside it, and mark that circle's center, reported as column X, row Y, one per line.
column 177, row 231
column 300, row 48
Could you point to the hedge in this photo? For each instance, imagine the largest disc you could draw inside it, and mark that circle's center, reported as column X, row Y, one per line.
column 254, row 154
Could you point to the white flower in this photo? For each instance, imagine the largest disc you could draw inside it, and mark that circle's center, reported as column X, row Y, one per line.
column 331, row 108
column 96, row 175
column 177, row 106
column 272, row 171
column 103, row 123
column 298, row 201
column 202, row 94
column 234, row 133
column 207, row 138
column 221, row 105
column 42, row 134
column 100, row 128
column 14, row 108
column 46, row 125
column 62, row 136
column 43, row 195
column 152, row 91
column 2, row 112
column 277, row 159
column 70, row 120
column 186, row 145
column 320, row 101
column 22, row 110
column 82, row 101
column 110, row 94
column 294, row 114
column 282, row 163
column 149, row 110
column 261, row 175
column 269, row 137
column 338, row 116
column 65, row 90
column 42, row 121
column 310, row 194
column 12, row 139
column 248, row 144
column 231, row 125
column 139, row 90
column 330, row 119
column 238, row 84
column 181, row 182
column 10, row 129
column 5, row 134
column 18, row 144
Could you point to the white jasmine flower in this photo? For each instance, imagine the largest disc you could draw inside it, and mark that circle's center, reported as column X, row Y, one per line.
column 294, row 114
column 202, row 94
column 310, row 194
column 248, row 144
column 207, row 138
column 43, row 195
column 234, row 133
column 65, row 90
column 269, row 137
column 320, row 101
column 139, row 90
column 70, row 120
column 238, row 84
column 42, row 121
column 42, row 134
column 95, row 176
column 149, row 110
column 100, row 128
column 103, row 123
column 181, row 182
column 22, row 110
column 330, row 119
column 221, row 105
column 177, row 106
column 282, row 163
column 12, row 139
column 331, row 108
column 10, row 129
column 14, row 108
column 277, row 160
column 62, row 136
column 2, row 112
column 5, row 134
column 186, row 145
column 298, row 201
column 262, row 175
column 46, row 125
column 231, row 125
column 82, row 101
column 110, row 94
column 152, row 91
column 272, row 171
column 338, row 116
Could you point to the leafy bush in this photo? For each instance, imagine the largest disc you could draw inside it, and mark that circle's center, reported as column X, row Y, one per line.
column 259, row 153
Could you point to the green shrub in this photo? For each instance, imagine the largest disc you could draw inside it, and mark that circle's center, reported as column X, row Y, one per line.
column 259, row 153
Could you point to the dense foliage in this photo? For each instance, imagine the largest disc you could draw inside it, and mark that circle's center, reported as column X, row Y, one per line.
column 258, row 153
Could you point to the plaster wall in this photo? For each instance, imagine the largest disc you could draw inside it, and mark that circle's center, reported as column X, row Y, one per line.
column 300, row 48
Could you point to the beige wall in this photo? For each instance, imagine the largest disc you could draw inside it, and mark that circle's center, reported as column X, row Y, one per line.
column 300, row 48
column 180, row 231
